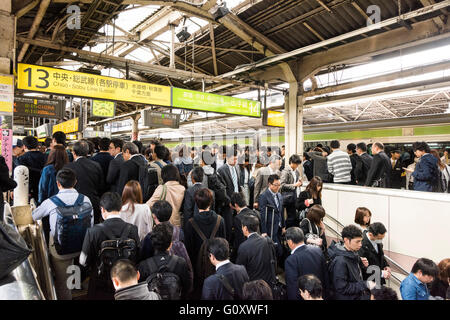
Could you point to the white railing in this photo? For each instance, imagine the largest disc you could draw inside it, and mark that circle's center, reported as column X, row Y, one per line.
column 418, row 223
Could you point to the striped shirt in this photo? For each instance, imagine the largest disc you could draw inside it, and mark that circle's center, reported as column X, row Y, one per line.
column 340, row 166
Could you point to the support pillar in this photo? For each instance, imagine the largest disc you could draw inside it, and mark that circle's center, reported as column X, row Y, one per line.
column 291, row 121
column 300, row 134
column 135, row 126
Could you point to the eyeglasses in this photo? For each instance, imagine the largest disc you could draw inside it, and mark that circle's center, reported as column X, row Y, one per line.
column 276, row 185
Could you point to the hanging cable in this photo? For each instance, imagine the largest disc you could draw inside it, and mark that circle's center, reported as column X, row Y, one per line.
column 193, row 53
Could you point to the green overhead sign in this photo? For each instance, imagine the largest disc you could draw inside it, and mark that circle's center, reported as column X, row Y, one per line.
column 208, row 102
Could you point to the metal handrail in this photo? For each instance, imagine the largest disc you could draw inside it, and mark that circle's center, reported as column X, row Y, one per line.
column 397, row 265
column 335, row 220
column 403, row 271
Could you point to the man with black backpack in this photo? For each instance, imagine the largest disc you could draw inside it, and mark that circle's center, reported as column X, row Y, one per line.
column 238, row 204
column 165, row 274
column 227, row 282
column 161, row 212
column 204, row 225
column 105, row 243
column 71, row 215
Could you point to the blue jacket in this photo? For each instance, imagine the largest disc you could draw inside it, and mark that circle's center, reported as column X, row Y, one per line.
column 307, row 259
column 413, row 289
column 266, row 200
column 47, row 183
column 426, row 173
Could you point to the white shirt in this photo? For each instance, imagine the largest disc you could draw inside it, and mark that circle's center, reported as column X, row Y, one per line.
column 112, row 216
column 251, row 234
column 118, row 155
column 222, row 264
column 292, row 252
column 141, row 218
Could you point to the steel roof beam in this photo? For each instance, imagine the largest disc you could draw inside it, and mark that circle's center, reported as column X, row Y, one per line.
column 134, row 65
column 392, row 21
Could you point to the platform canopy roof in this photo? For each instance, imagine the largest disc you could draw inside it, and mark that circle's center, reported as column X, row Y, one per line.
column 234, row 48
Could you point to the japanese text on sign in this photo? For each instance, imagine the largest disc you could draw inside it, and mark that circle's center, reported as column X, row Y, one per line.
column 6, row 146
column 64, row 82
column 273, row 119
column 67, row 126
column 37, row 107
column 208, row 102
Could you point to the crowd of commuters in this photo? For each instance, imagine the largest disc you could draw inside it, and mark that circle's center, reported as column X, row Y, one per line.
column 219, row 223
column 421, row 168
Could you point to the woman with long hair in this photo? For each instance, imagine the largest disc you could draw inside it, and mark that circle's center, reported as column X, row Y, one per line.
column 134, row 211
column 172, row 191
column 310, row 197
column 47, row 184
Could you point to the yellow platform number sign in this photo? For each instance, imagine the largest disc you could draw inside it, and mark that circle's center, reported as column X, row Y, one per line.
column 65, row 82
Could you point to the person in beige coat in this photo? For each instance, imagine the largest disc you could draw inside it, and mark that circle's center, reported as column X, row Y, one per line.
column 171, row 191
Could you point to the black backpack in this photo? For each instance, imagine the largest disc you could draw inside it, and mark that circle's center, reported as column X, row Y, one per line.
column 72, row 222
column 163, row 280
column 204, row 268
column 115, row 248
column 148, row 179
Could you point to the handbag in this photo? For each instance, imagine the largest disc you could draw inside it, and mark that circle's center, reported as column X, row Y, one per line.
column 13, row 249
column 311, row 235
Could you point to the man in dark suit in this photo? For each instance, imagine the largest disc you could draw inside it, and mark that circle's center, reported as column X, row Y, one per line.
column 372, row 250
column 237, row 203
column 396, row 171
column 380, row 170
column 363, row 163
column 90, row 180
column 189, row 203
column 255, row 253
column 129, row 169
column 271, row 210
column 304, row 259
column 100, row 286
column 35, row 161
column 230, row 175
column 261, row 182
column 227, row 282
column 103, row 157
column 115, row 150
column 162, row 240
